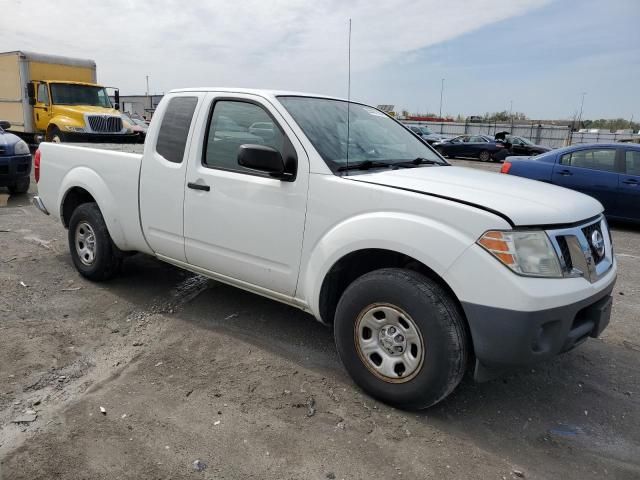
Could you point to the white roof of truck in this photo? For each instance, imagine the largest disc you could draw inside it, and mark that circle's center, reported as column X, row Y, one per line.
column 256, row 91
column 56, row 59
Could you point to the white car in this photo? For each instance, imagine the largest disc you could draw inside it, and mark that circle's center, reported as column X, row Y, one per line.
column 421, row 268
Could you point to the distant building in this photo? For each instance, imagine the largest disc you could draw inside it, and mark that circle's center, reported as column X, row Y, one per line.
column 139, row 105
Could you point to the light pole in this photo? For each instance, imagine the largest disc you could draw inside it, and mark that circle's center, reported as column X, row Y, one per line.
column 511, row 113
column 581, row 105
column 441, row 91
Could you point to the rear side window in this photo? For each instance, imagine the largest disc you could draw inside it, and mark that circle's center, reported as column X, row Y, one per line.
column 592, row 159
column 172, row 138
column 632, row 161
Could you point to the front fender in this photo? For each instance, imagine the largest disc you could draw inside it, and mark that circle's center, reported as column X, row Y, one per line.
column 89, row 180
column 64, row 121
column 428, row 241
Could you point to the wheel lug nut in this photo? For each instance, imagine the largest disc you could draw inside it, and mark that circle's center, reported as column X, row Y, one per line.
column 392, row 330
column 399, row 338
column 398, row 349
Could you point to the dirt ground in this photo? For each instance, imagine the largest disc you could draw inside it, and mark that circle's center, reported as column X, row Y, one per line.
column 190, row 370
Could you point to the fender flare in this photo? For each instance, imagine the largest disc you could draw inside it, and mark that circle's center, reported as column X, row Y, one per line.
column 428, row 241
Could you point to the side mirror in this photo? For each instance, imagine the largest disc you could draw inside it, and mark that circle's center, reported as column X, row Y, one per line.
column 263, row 159
column 5, row 125
column 116, row 98
column 31, row 93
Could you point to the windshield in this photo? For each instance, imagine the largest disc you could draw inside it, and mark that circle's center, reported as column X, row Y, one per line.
column 373, row 136
column 425, row 131
column 73, row 94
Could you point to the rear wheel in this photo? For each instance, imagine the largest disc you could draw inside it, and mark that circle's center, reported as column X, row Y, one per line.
column 484, row 156
column 93, row 252
column 21, row 186
column 401, row 337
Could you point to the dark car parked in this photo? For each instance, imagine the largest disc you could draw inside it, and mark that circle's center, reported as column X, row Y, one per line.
column 482, row 147
column 608, row 172
column 426, row 134
column 520, row 145
column 15, row 161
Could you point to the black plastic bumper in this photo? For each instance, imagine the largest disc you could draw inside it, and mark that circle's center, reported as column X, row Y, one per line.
column 506, row 339
column 14, row 167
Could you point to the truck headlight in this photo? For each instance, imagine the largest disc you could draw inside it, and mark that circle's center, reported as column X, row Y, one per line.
column 21, row 148
column 527, row 253
column 70, row 128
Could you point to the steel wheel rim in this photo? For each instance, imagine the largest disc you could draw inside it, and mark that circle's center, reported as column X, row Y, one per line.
column 85, row 243
column 377, row 332
column 484, row 157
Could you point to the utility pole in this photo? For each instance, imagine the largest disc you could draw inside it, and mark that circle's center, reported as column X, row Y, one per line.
column 147, row 93
column 441, row 91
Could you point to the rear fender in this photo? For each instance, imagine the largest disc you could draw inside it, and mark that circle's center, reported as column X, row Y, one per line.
column 89, row 180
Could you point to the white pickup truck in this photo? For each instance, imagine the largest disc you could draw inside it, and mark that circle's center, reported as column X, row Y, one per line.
column 424, row 270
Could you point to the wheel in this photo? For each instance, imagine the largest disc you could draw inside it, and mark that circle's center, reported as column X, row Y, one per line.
column 21, row 186
column 484, row 156
column 54, row 135
column 93, row 252
column 401, row 338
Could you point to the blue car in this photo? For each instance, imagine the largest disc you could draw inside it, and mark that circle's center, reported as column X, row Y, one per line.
column 608, row 172
column 15, row 161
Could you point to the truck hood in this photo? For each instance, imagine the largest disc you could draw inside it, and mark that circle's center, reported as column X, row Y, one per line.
column 524, row 202
column 82, row 109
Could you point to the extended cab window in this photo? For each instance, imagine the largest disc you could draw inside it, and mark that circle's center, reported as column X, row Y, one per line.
column 43, row 93
column 632, row 160
column 234, row 123
column 600, row 159
column 172, row 138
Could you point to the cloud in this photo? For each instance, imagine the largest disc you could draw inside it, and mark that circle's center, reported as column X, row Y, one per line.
column 287, row 44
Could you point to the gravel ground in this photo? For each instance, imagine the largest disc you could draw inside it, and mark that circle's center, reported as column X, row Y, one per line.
column 189, row 370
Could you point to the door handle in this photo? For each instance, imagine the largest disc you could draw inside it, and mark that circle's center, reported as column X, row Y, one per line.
column 633, row 183
column 565, row 173
column 198, row 186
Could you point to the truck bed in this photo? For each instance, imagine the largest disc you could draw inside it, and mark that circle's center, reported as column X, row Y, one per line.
column 109, row 174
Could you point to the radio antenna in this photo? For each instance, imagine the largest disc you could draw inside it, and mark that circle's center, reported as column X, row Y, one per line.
column 348, row 96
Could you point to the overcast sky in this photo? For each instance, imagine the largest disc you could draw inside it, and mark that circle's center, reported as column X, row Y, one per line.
column 539, row 53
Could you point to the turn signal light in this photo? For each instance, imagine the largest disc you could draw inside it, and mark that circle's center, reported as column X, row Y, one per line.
column 506, row 166
column 36, row 165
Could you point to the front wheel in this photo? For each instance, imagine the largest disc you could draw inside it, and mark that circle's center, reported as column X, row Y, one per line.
column 401, row 337
column 54, row 135
column 93, row 252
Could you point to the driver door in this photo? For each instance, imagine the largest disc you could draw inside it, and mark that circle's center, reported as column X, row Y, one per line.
column 239, row 223
column 42, row 108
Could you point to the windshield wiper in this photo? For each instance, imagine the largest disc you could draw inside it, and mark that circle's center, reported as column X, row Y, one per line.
column 419, row 161
column 365, row 165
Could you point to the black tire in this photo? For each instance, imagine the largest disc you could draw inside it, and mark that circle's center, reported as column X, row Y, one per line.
column 484, row 156
column 21, row 186
column 107, row 260
column 437, row 318
column 54, row 133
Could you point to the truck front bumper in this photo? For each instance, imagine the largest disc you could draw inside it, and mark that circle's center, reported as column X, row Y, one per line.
column 14, row 167
column 504, row 339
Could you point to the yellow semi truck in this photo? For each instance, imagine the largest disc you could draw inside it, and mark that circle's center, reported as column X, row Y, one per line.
column 57, row 99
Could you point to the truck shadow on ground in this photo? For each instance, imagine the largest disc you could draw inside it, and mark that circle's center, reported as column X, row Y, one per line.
column 585, row 403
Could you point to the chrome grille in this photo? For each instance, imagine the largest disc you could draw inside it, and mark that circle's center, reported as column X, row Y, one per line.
column 588, row 232
column 105, row 123
column 578, row 255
